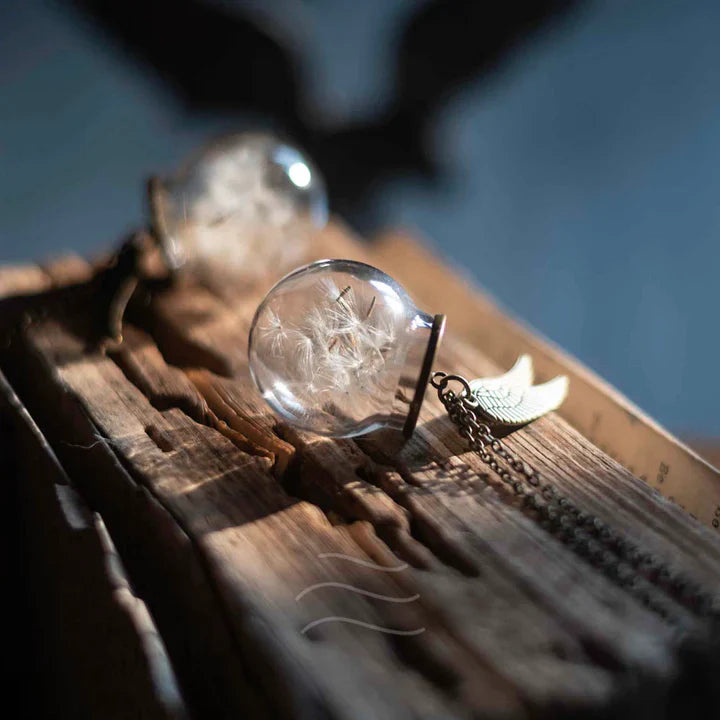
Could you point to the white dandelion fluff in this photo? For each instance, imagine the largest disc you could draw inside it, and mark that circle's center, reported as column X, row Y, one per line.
column 341, row 343
column 350, row 349
column 304, row 353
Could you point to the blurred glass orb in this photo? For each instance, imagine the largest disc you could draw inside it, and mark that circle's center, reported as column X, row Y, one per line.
column 247, row 204
column 338, row 347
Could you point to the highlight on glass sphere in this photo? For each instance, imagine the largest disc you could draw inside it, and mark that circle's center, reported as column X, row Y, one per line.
column 246, row 204
column 338, row 347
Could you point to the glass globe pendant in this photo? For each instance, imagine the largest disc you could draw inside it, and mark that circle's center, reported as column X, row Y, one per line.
column 245, row 204
column 338, row 347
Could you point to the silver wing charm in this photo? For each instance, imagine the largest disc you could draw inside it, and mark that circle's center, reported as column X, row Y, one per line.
column 512, row 399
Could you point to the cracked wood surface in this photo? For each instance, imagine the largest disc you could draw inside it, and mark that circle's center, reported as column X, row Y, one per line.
column 88, row 626
column 245, row 538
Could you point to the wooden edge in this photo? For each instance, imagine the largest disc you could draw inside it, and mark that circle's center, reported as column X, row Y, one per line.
column 82, row 594
column 707, row 448
column 22, row 279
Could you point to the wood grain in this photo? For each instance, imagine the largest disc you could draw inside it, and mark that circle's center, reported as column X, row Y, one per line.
column 300, row 577
column 94, row 647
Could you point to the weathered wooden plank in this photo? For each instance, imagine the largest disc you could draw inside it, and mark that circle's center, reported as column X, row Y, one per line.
column 150, row 541
column 162, row 559
column 513, row 623
column 238, row 514
column 94, row 645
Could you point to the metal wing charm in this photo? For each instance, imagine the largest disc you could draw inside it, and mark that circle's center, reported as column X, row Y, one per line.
column 512, row 399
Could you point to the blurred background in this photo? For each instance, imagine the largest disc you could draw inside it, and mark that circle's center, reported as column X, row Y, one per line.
column 564, row 154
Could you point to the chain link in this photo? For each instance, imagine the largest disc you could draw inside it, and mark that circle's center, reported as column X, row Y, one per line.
column 618, row 557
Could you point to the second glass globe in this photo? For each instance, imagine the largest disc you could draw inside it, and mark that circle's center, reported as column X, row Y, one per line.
column 246, row 204
column 338, row 347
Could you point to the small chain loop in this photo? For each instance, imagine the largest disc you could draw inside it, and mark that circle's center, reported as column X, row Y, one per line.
column 437, row 379
column 444, row 390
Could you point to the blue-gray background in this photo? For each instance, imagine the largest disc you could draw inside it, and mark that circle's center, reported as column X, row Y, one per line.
column 582, row 175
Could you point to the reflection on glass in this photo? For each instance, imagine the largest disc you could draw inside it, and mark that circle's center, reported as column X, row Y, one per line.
column 247, row 204
column 338, row 347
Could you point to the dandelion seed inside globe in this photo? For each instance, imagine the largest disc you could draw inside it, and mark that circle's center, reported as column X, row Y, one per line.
column 338, row 347
column 246, row 204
